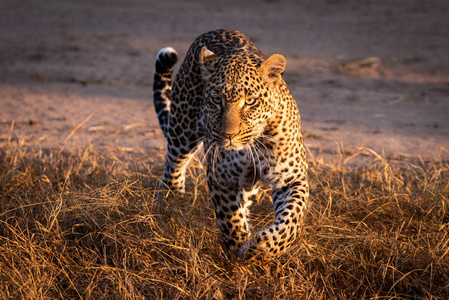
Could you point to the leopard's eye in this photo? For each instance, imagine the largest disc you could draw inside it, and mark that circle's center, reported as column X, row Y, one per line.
column 250, row 101
column 216, row 100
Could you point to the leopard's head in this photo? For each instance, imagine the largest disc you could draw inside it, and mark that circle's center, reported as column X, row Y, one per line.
column 241, row 93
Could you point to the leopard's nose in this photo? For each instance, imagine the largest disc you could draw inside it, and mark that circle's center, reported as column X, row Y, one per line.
column 230, row 135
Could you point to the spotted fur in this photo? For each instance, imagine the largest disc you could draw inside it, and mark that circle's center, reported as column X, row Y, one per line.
column 232, row 100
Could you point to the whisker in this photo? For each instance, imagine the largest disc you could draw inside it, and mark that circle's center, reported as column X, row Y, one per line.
column 270, row 138
column 197, row 141
column 254, row 162
column 207, row 147
column 214, row 162
column 258, row 150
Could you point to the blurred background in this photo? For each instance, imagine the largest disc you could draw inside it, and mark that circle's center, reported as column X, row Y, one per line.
column 371, row 74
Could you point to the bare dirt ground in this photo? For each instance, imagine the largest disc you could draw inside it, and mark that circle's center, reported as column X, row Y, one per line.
column 371, row 74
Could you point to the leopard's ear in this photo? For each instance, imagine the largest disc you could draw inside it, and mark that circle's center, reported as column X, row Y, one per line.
column 206, row 57
column 272, row 68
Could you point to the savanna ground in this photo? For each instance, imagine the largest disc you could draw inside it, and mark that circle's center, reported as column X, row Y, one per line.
column 81, row 152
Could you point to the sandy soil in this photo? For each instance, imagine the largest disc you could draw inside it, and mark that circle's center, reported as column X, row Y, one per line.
column 371, row 74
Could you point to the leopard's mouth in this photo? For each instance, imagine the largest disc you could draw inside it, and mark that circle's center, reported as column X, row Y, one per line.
column 236, row 143
column 229, row 145
column 233, row 144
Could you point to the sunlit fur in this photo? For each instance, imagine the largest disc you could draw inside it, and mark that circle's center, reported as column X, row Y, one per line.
column 231, row 100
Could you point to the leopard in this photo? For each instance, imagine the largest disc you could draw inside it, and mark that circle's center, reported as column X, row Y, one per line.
column 231, row 101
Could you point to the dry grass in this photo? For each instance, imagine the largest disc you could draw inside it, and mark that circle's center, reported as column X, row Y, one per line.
column 86, row 225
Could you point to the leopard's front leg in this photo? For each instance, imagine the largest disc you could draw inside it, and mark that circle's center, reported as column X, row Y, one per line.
column 289, row 202
column 232, row 213
column 182, row 145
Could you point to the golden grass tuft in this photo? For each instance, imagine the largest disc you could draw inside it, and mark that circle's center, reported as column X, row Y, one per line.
column 82, row 224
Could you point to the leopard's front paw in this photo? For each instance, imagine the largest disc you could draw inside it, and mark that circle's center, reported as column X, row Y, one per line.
column 253, row 250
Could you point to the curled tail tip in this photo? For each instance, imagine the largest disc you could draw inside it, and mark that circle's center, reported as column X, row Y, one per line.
column 167, row 50
column 167, row 57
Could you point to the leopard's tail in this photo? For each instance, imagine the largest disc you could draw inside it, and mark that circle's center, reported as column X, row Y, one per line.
column 165, row 60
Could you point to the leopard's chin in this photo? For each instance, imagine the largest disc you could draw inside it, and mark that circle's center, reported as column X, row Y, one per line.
column 233, row 147
column 229, row 145
column 236, row 144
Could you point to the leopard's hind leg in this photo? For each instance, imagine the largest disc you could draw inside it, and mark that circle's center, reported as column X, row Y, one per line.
column 178, row 111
